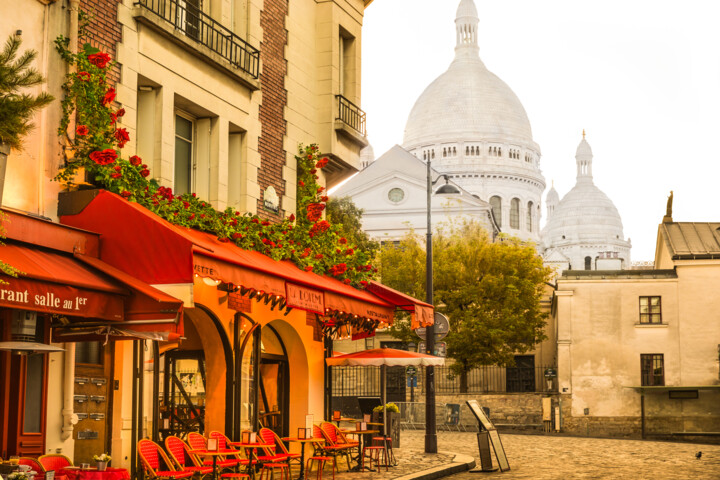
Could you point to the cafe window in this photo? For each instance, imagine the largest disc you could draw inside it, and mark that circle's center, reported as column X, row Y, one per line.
column 33, row 407
column 650, row 310
column 652, row 369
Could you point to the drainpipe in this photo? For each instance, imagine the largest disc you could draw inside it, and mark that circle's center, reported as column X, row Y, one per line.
column 69, row 417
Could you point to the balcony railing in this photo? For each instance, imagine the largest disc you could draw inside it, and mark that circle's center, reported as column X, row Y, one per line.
column 190, row 21
column 351, row 115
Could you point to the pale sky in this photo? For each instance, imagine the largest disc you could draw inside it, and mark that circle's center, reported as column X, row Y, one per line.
column 641, row 77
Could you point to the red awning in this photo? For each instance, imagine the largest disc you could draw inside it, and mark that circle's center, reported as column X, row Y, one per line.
column 55, row 283
column 422, row 313
column 142, row 244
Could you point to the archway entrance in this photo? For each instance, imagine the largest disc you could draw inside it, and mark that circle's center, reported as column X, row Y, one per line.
column 274, row 383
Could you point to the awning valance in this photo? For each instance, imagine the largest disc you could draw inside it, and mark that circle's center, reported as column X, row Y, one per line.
column 144, row 245
column 422, row 313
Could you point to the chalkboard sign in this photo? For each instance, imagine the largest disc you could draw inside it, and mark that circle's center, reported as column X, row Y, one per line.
column 494, row 436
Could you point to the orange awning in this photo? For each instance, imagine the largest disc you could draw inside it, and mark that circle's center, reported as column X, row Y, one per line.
column 422, row 313
column 175, row 255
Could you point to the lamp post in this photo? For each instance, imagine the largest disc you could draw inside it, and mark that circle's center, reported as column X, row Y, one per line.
column 430, row 423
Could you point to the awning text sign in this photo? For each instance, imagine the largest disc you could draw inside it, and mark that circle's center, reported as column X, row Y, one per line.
column 305, row 298
column 28, row 294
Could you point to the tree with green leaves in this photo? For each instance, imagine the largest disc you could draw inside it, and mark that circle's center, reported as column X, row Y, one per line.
column 489, row 290
column 343, row 211
column 17, row 108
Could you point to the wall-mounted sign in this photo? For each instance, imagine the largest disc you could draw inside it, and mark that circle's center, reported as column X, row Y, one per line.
column 305, row 298
column 442, row 327
column 271, row 199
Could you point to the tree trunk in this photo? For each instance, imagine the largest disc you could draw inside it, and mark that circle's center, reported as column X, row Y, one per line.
column 4, row 152
column 464, row 381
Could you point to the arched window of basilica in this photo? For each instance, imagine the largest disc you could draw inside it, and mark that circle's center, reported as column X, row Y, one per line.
column 515, row 213
column 444, row 153
column 496, row 204
column 530, row 217
column 454, row 151
column 588, row 263
column 433, row 154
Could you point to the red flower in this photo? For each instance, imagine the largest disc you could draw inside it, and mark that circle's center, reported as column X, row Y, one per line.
column 338, row 269
column 324, row 199
column 192, row 215
column 320, row 189
column 319, row 256
column 118, row 168
column 314, row 211
column 342, row 240
column 305, row 253
column 237, row 236
column 100, row 59
column 347, row 281
column 126, row 194
column 291, row 217
column 109, row 97
column 120, row 113
column 349, row 251
column 122, row 136
column 363, row 283
column 313, row 171
column 116, row 175
column 135, row 160
column 319, row 227
column 301, row 183
column 104, row 157
column 265, row 223
column 145, row 172
column 113, row 118
column 84, row 76
column 82, row 130
column 308, row 268
column 322, row 163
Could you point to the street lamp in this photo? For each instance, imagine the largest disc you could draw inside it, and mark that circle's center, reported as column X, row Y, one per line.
column 430, row 424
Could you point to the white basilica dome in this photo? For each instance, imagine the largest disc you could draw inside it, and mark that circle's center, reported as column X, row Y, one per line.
column 468, row 102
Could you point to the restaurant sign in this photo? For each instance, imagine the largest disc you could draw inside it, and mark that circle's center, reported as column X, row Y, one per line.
column 47, row 297
column 305, row 298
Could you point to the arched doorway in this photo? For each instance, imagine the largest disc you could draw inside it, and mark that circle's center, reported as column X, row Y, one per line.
column 274, row 382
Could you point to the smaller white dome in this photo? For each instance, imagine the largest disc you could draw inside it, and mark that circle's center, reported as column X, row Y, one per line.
column 583, row 150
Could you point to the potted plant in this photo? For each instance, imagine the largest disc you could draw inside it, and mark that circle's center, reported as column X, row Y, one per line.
column 17, row 109
column 102, row 461
column 393, row 421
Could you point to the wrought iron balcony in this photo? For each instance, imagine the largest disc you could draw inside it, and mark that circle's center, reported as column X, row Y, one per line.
column 189, row 20
column 351, row 115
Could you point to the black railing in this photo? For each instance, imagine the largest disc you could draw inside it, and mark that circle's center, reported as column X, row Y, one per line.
column 351, row 115
column 365, row 381
column 190, row 21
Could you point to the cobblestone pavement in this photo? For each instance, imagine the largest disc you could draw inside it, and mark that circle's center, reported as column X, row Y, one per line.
column 555, row 457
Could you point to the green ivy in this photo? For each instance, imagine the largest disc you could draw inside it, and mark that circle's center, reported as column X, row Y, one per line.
column 310, row 242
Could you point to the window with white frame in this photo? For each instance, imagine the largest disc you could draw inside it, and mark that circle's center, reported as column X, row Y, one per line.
column 184, row 154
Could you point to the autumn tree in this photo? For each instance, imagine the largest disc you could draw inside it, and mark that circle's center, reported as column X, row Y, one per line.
column 489, row 290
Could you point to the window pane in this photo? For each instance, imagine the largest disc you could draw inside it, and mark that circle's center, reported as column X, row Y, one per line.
column 644, row 302
column 32, row 419
column 88, row 352
column 515, row 213
column 496, row 204
column 183, row 166
column 655, row 301
column 183, row 127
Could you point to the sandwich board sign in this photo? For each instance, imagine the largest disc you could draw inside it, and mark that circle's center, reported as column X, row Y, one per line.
column 488, row 435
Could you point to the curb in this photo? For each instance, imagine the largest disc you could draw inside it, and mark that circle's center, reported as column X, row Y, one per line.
column 460, row 463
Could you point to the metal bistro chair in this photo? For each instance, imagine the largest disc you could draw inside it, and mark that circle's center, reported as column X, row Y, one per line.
column 198, row 442
column 151, row 456
column 179, row 453
column 234, row 454
column 34, row 465
column 269, row 436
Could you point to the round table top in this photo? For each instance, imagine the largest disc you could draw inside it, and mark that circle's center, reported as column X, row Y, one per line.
column 208, row 452
column 251, row 445
column 303, row 440
column 360, row 432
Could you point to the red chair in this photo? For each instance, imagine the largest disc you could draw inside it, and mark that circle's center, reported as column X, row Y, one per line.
column 54, row 462
column 198, row 442
column 179, row 453
column 151, row 456
column 34, row 465
column 269, row 436
column 333, row 445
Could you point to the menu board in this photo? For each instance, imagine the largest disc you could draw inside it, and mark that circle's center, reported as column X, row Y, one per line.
column 486, row 424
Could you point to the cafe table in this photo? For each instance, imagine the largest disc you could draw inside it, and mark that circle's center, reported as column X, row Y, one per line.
column 252, row 447
column 344, row 419
column 361, row 439
column 211, row 453
column 302, row 442
column 77, row 473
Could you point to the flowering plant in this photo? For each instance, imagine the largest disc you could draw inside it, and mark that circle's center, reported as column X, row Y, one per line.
column 313, row 244
column 104, row 457
column 4, row 267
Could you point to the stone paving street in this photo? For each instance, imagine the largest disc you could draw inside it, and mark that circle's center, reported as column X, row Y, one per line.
column 556, row 457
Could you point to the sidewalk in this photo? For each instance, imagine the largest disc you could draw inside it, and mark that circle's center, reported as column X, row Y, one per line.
column 549, row 457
